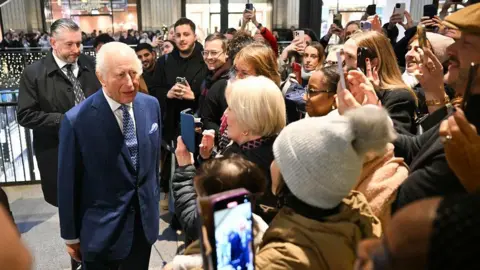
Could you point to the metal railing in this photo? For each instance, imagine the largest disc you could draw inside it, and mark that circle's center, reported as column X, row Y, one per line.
column 17, row 163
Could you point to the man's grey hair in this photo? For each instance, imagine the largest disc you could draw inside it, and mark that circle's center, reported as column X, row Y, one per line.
column 63, row 24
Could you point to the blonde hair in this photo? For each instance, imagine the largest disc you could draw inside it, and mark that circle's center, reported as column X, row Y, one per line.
column 388, row 70
column 262, row 59
column 258, row 105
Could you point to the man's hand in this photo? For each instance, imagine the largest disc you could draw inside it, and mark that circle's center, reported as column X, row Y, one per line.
column 462, row 149
column 175, row 92
column 186, row 91
column 247, row 17
column 74, row 251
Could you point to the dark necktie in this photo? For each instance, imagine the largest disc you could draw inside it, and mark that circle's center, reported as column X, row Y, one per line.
column 130, row 135
column 77, row 87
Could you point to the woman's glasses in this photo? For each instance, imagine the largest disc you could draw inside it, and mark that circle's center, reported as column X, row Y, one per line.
column 313, row 92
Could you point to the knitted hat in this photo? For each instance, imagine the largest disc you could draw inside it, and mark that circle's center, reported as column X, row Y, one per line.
column 320, row 158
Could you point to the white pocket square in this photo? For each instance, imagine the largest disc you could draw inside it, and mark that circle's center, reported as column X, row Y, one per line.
column 153, row 128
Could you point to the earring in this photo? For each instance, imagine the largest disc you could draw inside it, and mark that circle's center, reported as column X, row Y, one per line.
column 333, row 107
column 245, row 133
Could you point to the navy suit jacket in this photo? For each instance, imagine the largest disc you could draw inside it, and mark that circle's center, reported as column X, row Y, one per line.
column 97, row 183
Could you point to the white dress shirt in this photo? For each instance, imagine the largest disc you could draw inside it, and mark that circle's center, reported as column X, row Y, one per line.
column 61, row 64
column 117, row 111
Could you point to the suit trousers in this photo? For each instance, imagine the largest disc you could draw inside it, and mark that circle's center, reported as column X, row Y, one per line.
column 137, row 259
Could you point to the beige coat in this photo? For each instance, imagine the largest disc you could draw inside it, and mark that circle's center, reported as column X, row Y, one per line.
column 295, row 242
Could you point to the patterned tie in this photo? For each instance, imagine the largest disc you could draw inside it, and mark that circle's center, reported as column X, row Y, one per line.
column 130, row 135
column 77, row 87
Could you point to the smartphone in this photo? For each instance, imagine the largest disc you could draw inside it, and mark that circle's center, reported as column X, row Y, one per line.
column 300, row 34
column 187, row 129
column 249, row 6
column 340, row 70
column 181, row 80
column 422, row 36
column 227, row 237
column 400, row 9
column 429, row 11
column 337, row 19
column 371, row 10
column 365, row 25
column 468, row 90
column 362, row 55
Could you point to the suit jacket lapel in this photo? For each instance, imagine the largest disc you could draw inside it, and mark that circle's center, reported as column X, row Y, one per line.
column 142, row 134
column 110, row 126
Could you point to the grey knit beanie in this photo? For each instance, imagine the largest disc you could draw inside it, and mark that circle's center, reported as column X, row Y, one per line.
column 321, row 158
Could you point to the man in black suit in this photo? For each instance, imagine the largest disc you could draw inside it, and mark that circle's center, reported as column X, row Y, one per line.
column 48, row 89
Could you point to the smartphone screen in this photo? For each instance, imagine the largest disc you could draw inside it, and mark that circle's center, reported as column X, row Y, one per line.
column 234, row 234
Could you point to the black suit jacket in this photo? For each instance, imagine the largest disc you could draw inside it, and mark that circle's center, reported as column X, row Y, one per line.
column 45, row 95
column 430, row 174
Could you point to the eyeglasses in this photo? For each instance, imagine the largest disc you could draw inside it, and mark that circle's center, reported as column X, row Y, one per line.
column 213, row 54
column 312, row 92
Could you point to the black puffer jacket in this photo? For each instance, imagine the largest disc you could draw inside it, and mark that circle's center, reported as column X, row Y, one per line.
column 185, row 199
column 185, row 196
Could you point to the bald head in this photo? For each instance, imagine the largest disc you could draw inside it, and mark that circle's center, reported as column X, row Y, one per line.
column 119, row 70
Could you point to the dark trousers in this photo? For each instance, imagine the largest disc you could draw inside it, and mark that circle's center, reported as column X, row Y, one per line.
column 138, row 259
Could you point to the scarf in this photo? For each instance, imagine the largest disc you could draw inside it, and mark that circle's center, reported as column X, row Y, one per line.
column 253, row 144
column 306, row 75
column 410, row 79
column 220, row 73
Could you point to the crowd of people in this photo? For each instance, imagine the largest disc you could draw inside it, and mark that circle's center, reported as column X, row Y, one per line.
column 366, row 161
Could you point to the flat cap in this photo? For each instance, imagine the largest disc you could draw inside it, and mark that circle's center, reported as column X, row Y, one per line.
column 466, row 20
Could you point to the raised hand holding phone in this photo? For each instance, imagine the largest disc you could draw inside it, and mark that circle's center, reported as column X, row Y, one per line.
column 207, row 144
column 183, row 156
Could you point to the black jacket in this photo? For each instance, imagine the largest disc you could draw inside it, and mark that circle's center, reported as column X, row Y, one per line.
column 212, row 77
column 185, row 196
column 45, row 95
column 185, row 199
column 429, row 172
column 401, row 106
column 194, row 70
column 214, row 105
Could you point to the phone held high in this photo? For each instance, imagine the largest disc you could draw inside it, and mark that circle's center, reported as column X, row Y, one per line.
column 422, row 36
column 227, row 230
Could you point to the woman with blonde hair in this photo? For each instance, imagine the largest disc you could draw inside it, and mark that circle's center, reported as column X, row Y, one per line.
column 384, row 76
column 255, row 115
column 256, row 59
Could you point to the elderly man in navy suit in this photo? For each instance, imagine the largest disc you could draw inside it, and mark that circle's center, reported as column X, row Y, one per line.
column 108, row 188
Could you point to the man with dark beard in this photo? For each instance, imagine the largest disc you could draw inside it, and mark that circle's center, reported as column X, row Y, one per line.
column 185, row 61
column 148, row 56
column 430, row 174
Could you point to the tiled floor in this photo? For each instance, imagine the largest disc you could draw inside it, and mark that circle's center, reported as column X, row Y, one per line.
column 38, row 223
